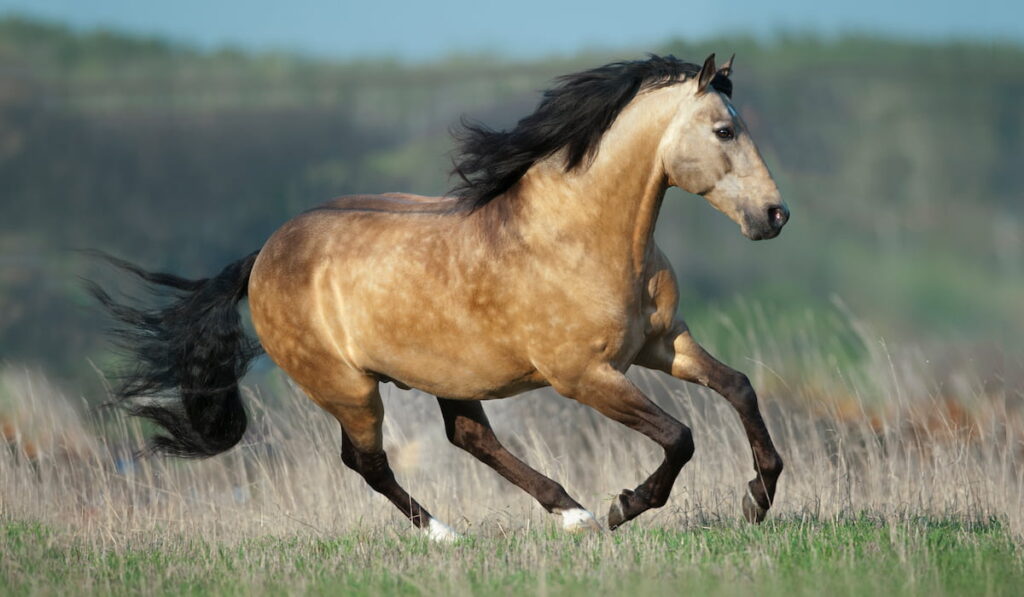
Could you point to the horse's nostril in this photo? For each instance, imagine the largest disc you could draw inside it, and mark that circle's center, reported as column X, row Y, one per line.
column 777, row 216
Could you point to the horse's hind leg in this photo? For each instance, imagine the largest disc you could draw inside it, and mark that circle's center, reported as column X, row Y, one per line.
column 467, row 427
column 362, row 451
column 374, row 468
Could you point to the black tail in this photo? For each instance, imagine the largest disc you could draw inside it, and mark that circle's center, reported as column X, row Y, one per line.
column 188, row 358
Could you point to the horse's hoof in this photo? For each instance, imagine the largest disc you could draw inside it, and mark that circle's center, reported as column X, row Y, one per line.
column 617, row 511
column 579, row 521
column 752, row 511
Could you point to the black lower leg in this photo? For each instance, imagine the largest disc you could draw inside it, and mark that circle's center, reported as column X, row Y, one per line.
column 467, row 427
column 678, row 354
column 655, row 490
column 611, row 394
column 374, row 469
column 767, row 462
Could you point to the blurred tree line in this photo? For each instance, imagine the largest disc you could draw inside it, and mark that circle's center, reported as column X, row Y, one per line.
column 903, row 164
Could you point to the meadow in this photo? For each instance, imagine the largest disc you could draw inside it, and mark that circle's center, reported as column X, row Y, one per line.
column 892, row 486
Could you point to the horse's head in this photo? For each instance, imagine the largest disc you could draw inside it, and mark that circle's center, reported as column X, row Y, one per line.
column 707, row 150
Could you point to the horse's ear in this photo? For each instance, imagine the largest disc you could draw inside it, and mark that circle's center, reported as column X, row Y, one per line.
column 707, row 72
column 726, row 69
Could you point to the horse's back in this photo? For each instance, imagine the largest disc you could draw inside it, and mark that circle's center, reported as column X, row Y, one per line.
column 396, row 203
column 353, row 226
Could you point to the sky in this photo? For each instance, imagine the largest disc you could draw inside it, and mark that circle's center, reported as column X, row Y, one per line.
column 426, row 30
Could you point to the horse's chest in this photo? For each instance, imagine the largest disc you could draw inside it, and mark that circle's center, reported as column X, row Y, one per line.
column 615, row 334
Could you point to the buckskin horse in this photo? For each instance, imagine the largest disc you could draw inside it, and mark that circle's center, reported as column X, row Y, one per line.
column 539, row 269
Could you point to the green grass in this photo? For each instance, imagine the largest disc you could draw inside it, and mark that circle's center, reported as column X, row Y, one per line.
column 860, row 556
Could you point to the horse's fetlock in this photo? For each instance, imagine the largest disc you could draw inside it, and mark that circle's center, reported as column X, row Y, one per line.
column 643, row 498
column 553, row 497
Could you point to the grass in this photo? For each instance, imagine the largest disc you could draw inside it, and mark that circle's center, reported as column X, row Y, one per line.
column 895, row 483
column 858, row 556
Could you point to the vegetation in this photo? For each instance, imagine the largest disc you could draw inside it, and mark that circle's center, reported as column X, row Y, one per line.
column 860, row 556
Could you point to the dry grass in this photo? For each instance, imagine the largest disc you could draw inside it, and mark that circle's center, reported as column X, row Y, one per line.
column 871, row 438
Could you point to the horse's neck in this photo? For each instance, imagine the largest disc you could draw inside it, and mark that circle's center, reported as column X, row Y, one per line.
column 609, row 208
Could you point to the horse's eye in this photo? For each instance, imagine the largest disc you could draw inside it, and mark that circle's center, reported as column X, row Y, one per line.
column 726, row 133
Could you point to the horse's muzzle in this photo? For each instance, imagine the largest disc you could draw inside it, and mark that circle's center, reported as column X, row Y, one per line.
column 769, row 223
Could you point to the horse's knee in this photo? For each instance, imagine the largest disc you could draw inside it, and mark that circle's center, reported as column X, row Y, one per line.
column 738, row 384
column 740, row 392
column 681, row 446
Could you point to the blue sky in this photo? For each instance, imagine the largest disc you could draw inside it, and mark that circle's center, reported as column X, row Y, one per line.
column 523, row 28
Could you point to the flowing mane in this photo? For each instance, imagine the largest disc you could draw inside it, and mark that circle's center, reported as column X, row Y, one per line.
column 574, row 114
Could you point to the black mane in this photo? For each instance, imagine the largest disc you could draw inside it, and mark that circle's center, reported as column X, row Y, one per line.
column 573, row 115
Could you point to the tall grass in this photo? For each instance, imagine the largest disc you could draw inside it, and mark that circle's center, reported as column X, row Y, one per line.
column 868, row 433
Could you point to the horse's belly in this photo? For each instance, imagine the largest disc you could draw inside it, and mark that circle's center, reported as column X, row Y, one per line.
column 452, row 363
column 468, row 387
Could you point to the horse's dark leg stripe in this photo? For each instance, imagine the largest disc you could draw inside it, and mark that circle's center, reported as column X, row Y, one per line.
column 468, row 428
column 374, row 468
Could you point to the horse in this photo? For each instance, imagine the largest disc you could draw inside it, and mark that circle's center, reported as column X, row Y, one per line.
column 538, row 269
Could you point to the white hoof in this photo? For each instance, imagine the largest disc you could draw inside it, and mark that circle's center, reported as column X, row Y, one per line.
column 439, row 532
column 578, row 520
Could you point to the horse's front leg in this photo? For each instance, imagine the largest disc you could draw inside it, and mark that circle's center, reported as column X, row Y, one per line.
column 609, row 392
column 677, row 353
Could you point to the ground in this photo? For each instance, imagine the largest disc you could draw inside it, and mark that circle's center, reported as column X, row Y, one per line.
column 860, row 556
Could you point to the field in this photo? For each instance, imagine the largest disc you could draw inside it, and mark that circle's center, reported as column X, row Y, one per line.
column 860, row 556
column 894, row 485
